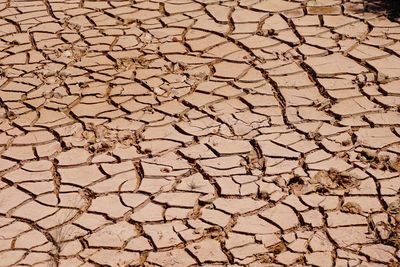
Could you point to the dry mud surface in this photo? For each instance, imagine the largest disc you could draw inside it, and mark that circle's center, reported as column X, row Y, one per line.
column 198, row 133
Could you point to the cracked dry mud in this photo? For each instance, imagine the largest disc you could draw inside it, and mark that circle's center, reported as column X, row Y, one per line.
column 199, row 133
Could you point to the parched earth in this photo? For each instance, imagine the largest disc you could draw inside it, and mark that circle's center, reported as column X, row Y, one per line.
column 199, row 133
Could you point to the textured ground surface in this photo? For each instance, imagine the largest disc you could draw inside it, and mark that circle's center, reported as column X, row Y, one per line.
column 188, row 133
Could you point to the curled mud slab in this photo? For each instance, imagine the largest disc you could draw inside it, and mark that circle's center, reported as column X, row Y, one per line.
column 199, row 133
